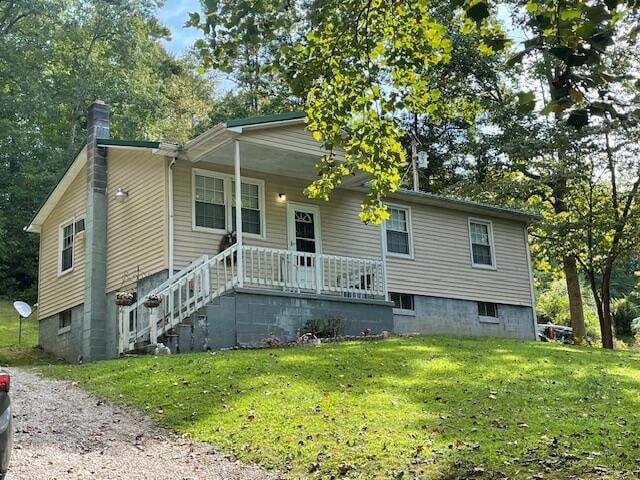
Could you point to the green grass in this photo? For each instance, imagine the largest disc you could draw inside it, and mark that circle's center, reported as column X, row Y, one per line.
column 11, row 353
column 424, row 407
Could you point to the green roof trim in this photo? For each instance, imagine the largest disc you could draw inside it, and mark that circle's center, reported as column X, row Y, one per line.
column 278, row 117
column 112, row 142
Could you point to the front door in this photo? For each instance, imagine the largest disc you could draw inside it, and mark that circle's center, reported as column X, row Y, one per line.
column 303, row 225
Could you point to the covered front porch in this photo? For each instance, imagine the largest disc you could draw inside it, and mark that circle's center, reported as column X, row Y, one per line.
column 279, row 242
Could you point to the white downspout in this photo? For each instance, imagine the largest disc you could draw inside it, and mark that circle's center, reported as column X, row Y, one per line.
column 171, row 222
column 238, row 198
column 532, row 289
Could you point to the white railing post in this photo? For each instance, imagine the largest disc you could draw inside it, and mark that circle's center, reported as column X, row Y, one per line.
column 317, row 262
column 126, row 321
column 153, row 326
column 238, row 181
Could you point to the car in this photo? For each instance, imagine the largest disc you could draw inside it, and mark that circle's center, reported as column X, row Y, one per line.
column 6, row 432
column 548, row 332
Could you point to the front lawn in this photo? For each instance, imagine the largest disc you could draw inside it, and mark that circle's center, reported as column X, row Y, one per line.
column 427, row 407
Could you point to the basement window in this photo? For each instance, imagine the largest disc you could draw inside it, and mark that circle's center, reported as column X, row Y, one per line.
column 65, row 245
column 404, row 303
column 64, row 322
column 488, row 312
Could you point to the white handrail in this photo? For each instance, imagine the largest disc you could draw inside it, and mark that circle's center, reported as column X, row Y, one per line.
column 277, row 269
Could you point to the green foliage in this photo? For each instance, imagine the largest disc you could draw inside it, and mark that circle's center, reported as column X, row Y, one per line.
column 243, row 39
column 576, row 40
column 362, row 68
column 425, row 407
column 57, row 57
column 552, row 306
column 624, row 311
column 330, row 327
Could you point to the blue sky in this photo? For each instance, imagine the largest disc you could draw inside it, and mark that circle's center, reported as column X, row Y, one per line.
column 173, row 15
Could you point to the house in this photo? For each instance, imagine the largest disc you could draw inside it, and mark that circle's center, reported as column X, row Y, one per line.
column 149, row 217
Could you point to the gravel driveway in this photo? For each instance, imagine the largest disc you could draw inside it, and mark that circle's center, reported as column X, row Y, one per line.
column 63, row 432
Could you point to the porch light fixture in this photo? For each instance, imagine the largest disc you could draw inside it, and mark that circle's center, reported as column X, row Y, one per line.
column 282, row 197
column 121, row 194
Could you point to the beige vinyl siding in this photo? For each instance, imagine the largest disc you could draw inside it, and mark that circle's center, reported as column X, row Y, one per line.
column 58, row 293
column 293, row 137
column 442, row 259
column 137, row 227
column 339, row 218
column 442, row 264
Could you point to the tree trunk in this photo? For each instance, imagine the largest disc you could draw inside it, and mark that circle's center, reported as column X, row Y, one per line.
column 575, row 299
column 605, row 318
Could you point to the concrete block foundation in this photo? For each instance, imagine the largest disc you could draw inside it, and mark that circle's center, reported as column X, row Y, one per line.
column 446, row 316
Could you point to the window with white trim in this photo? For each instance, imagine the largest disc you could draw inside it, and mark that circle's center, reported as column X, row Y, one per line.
column 487, row 309
column 209, row 202
column 402, row 301
column 214, row 203
column 250, row 198
column 66, row 247
column 398, row 231
column 481, row 238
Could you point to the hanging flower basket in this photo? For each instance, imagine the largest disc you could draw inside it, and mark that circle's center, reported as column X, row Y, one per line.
column 152, row 301
column 125, row 299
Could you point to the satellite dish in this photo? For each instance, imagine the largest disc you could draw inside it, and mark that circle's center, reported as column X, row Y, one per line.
column 23, row 309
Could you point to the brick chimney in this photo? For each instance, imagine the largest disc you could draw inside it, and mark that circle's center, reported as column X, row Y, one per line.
column 95, row 329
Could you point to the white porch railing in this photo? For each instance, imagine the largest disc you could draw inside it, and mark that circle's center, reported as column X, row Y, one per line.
column 275, row 269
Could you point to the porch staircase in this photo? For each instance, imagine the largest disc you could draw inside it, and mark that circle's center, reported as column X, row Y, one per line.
column 181, row 295
column 208, row 278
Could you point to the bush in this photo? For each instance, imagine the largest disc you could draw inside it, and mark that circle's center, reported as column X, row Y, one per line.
column 623, row 313
column 330, row 327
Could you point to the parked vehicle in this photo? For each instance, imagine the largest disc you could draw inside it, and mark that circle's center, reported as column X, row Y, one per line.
column 6, row 432
column 548, row 332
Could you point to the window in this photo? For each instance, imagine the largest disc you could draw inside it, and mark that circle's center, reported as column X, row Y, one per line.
column 214, row 203
column 66, row 247
column 64, row 321
column 79, row 226
column 486, row 309
column 398, row 231
column 250, row 194
column 210, row 202
column 402, row 301
column 481, row 236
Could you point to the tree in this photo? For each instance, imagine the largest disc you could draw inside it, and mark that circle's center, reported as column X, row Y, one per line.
column 367, row 65
column 57, row 57
column 603, row 223
column 243, row 39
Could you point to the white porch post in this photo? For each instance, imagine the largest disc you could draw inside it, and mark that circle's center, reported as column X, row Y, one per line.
column 238, row 199
column 383, row 257
column 154, row 316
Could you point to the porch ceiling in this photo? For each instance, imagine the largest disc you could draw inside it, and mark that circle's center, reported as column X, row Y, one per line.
column 269, row 159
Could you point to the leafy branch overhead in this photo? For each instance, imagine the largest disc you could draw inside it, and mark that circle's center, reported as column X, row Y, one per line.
column 366, row 66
